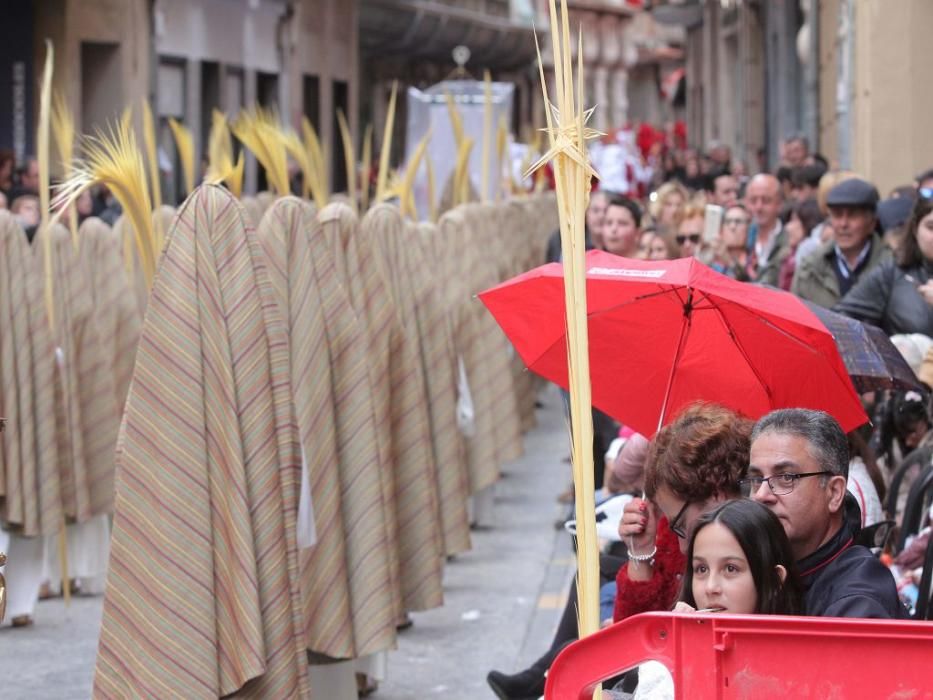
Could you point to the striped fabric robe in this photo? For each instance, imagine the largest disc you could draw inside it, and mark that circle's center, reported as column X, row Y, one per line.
column 403, row 430
column 86, row 405
column 30, row 498
column 410, row 281
column 125, row 234
column 203, row 596
column 481, row 447
column 349, row 608
column 485, row 266
column 116, row 309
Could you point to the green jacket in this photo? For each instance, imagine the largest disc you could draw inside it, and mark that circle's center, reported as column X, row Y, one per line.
column 770, row 271
column 815, row 279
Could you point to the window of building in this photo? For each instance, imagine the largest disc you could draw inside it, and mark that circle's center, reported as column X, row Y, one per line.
column 101, row 85
column 339, row 173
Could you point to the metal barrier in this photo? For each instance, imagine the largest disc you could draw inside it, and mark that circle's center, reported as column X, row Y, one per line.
column 755, row 656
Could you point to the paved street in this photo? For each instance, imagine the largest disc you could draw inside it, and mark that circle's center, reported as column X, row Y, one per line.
column 503, row 599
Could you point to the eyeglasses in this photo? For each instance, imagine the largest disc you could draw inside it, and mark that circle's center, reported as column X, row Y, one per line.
column 676, row 526
column 693, row 238
column 926, row 192
column 740, row 221
column 780, row 484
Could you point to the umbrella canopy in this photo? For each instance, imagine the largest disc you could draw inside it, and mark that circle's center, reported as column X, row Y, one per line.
column 666, row 334
column 871, row 359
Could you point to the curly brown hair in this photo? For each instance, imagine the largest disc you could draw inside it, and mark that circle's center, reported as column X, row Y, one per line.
column 702, row 454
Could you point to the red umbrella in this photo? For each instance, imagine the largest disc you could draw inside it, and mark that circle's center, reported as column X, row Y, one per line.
column 664, row 334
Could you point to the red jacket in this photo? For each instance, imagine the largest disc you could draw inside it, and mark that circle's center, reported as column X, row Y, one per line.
column 659, row 593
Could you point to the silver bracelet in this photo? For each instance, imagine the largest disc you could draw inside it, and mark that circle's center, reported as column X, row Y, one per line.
column 638, row 558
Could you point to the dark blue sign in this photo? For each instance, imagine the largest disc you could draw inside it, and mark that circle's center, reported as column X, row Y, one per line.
column 17, row 79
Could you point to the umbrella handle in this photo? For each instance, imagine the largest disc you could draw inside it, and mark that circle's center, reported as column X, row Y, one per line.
column 684, row 332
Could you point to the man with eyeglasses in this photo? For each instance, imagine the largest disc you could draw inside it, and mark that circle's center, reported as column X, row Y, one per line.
column 799, row 463
column 828, row 273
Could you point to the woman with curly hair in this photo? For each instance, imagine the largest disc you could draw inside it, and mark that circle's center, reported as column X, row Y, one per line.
column 693, row 464
column 667, row 206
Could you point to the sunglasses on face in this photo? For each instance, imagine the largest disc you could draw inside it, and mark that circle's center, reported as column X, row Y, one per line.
column 693, row 238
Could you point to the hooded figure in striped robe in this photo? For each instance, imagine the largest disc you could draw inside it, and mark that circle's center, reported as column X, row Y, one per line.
column 115, row 315
column 453, row 259
column 253, row 209
column 115, row 306
column 514, row 253
column 86, row 401
column 125, row 234
column 203, row 596
column 30, row 500
column 484, row 268
column 411, row 283
column 346, row 587
column 404, row 435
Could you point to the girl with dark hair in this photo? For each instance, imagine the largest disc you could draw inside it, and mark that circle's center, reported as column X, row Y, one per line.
column 739, row 561
column 897, row 295
column 693, row 464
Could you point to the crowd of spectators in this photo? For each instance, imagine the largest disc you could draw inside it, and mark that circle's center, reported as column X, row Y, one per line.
column 841, row 522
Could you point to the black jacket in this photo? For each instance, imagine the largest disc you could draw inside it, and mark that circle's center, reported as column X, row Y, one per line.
column 843, row 579
column 554, row 254
column 888, row 298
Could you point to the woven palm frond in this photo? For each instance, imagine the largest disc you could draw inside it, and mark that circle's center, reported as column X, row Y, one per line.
column 63, row 127
column 567, row 135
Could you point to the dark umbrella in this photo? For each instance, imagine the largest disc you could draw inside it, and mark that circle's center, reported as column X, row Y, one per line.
column 871, row 359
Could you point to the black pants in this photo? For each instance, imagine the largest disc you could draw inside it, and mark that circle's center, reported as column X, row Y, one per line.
column 605, row 430
column 567, row 630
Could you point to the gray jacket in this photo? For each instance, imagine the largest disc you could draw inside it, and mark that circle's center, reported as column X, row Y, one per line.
column 887, row 297
column 815, row 279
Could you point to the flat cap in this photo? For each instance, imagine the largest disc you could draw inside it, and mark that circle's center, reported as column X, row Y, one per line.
column 894, row 212
column 853, row 193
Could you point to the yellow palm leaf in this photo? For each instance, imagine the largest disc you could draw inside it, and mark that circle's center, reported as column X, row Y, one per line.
column 220, row 156
column 386, row 148
column 42, row 152
column 487, row 136
column 63, row 127
column 348, row 155
column 367, row 165
column 184, row 141
column 152, row 158
column 407, row 203
column 114, row 159
column 258, row 130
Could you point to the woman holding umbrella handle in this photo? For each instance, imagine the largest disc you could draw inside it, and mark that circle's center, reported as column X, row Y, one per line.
column 692, row 464
column 639, row 529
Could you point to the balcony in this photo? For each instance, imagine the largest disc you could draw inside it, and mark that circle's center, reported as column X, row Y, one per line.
column 684, row 13
column 497, row 32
